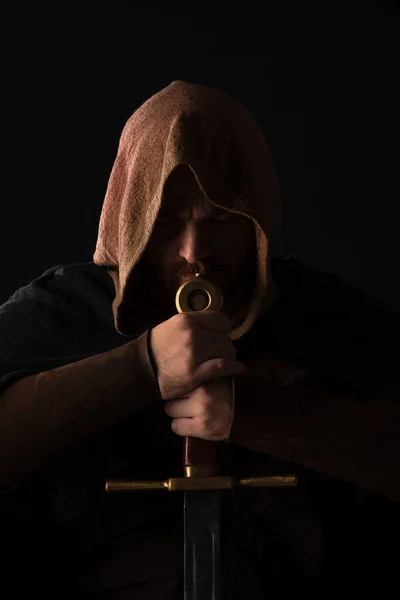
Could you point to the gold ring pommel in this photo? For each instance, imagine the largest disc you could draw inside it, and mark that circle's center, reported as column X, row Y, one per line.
column 198, row 294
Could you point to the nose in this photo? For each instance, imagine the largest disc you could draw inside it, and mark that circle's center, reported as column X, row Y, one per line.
column 193, row 243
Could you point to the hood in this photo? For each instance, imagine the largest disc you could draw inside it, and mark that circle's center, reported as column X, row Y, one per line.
column 220, row 141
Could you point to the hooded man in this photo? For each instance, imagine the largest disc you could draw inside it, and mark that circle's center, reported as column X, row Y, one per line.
column 100, row 376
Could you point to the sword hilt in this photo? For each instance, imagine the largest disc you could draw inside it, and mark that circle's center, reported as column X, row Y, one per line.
column 200, row 461
column 199, row 457
column 200, row 473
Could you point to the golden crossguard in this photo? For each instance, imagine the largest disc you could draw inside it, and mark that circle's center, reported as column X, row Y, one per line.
column 183, row 484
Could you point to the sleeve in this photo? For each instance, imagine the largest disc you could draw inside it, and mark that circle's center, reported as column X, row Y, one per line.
column 343, row 418
column 58, row 318
column 73, row 362
column 356, row 440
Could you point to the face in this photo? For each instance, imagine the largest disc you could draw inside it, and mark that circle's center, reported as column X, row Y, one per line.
column 191, row 235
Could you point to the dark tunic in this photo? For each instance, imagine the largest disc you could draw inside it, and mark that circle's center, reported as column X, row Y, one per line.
column 62, row 533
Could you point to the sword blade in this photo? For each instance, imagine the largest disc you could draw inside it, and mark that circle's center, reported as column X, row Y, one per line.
column 201, row 545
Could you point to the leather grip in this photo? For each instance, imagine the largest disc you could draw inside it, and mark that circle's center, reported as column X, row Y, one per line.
column 199, row 453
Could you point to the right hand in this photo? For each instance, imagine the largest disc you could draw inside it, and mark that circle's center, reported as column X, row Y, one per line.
column 190, row 349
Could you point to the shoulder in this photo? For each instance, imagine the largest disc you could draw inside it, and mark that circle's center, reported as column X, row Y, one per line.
column 334, row 328
column 63, row 315
column 80, row 294
column 325, row 293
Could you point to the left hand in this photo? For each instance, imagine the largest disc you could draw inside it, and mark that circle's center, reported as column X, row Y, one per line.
column 206, row 413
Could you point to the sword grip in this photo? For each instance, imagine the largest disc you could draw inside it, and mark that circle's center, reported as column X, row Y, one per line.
column 199, row 457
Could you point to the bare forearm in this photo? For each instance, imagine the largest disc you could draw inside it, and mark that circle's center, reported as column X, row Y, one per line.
column 44, row 414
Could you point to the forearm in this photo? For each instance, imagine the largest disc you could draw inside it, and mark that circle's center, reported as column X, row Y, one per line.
column 44, row 414
column 354, row 440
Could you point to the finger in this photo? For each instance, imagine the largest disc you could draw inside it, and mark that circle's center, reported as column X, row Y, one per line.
column 181, row 408
column 212, row 320
column 205, row 337
column 218, row 367
column 185, row 427
column 218, row 350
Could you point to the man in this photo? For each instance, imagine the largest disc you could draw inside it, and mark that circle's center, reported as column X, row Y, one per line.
column 100, row 377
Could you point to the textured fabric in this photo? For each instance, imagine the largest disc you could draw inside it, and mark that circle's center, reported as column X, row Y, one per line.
column 315, row 531
column 219, row 139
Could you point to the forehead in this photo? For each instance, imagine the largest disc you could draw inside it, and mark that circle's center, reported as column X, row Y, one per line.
column 182, row 191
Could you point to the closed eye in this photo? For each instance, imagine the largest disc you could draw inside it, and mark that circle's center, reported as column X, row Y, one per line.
column 165, row 219
column 225, row 217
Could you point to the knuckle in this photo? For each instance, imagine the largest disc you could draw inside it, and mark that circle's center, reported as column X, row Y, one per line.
column 187, row 339
column 186, row 321
column 220, row 364
column 191, row 363
column 204, row 404
column 205, row 426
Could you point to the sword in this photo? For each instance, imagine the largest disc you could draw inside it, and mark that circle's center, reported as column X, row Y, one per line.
column 201, row 483
column 201, row 509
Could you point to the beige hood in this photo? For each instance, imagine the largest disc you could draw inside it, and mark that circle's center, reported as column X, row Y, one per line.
column 218, row 138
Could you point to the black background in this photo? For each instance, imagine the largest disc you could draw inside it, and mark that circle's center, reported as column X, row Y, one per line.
column 321, row 78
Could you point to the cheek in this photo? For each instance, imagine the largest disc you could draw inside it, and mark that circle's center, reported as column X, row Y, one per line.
column 236, row 244
column 157, row 252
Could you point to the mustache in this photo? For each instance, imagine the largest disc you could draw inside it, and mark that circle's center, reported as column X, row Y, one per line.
column 187, row 269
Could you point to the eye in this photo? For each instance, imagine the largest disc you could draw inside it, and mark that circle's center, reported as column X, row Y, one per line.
column 166, row 219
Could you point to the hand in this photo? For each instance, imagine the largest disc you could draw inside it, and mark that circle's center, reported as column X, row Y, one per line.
column 190, row 349
column 206, row 412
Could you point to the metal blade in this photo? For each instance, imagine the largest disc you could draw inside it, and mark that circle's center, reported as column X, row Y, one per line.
column 201, row 545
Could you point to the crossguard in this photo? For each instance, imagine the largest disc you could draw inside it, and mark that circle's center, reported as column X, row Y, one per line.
column 183, row 484
column 200, row 473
